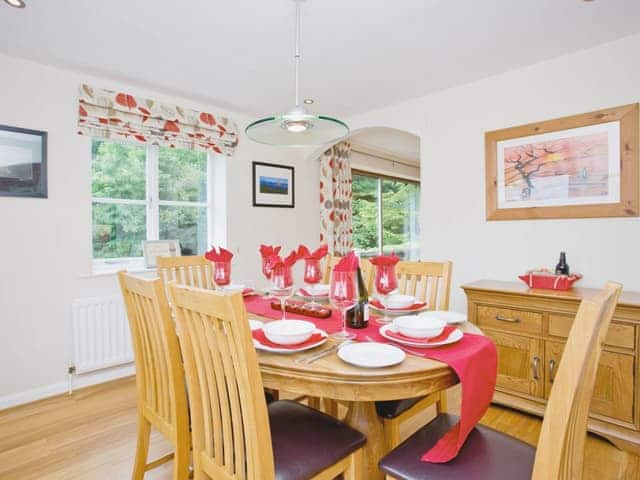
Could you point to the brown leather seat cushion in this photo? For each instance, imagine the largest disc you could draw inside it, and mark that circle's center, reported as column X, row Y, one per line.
column 306, row 441
column 393, row 408
column 487, row 454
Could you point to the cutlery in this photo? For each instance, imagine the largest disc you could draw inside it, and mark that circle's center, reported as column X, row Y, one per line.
column 401, row 347
column 323, row 353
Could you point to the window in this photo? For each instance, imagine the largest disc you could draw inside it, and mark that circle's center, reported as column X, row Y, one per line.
column 386, row 216
column 147, row 193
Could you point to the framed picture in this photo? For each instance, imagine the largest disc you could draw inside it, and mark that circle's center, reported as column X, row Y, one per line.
column 153, row 249
column 23, row 162
column 273, row 185
column 573, row 167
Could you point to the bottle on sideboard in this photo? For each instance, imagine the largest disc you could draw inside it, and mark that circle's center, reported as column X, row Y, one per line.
column 358, row 316
column 562, row 268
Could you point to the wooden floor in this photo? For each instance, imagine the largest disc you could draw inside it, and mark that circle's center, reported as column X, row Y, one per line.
column 91, row 435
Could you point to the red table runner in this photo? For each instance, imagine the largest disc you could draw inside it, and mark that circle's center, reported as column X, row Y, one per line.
column 474, row 359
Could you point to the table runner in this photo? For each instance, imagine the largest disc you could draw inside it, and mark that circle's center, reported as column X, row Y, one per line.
column 474, row 359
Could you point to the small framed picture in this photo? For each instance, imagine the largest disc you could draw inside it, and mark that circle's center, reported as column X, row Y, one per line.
column 152, row 249
column 273, row 185
column 23, row 162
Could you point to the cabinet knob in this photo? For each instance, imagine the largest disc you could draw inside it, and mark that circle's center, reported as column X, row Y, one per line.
column 502, row 318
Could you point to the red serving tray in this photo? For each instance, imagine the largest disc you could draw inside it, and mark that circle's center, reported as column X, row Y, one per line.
column 550, row 282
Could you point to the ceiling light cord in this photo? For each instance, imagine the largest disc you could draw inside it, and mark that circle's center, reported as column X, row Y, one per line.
column 296, row 55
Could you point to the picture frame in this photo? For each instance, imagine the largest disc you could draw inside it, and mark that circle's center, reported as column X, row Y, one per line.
column 23, row 162
column 581, row 166
column 152, row 249
column 273, row 185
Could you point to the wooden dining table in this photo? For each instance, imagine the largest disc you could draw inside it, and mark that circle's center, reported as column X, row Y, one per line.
column 358, row 388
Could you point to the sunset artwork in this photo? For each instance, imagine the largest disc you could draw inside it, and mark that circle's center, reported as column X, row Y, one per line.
column 571, row 167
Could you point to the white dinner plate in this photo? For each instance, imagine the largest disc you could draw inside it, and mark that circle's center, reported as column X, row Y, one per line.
column 371, row 354
column 260, row 346
column 453, row 337
column 452, row 318
column 393, row 312
column 255, row 324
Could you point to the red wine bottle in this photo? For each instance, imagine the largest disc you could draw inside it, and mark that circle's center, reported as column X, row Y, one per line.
column 358, row 316
column 562, row 268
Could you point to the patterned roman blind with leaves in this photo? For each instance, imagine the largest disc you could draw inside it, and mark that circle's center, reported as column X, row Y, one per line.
column 335, row 199
column 108, row 114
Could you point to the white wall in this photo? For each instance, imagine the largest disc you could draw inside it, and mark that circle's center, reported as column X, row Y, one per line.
column 45, row 244
column 451, row 125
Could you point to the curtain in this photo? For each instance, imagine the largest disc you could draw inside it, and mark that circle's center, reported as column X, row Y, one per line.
column 108, row 114
column 335, row 199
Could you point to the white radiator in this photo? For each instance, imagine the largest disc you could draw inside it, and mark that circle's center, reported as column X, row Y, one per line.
column 101, row 335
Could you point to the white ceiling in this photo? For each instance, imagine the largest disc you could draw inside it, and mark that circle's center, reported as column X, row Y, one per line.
column 357, row 54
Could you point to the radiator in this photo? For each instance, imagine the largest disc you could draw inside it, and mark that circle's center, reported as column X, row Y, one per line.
column 101, row 335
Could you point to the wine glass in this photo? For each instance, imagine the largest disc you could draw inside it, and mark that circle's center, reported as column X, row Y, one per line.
column 281, row 285
column 386, row 282
column 343, row 294
column 312, row 276
column 222, row 273
column 267, row 270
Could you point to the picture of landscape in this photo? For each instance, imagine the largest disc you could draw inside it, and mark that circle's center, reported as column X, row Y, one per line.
column 279, row 186
column 573, row 167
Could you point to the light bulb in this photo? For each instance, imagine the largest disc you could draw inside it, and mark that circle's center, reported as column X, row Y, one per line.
column 16, row 3
column 296, row 126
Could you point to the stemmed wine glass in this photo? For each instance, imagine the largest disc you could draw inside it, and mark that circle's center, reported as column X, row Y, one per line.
column 281, row 285
column 386, row 282
column 222, row 274
column 343, row 295
column 312, row 276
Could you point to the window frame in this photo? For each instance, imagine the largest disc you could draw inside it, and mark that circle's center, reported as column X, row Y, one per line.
column 380, row 177
column 152, row 205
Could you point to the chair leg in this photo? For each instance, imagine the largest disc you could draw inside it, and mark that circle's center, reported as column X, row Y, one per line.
column 330, row 407
column 391, row 427
column 314, row 402
column 355, row 470
column 181, row 461
column 142, row 448
column 441, row 404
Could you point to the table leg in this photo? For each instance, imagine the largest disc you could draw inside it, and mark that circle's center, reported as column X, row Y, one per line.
column 363, row 417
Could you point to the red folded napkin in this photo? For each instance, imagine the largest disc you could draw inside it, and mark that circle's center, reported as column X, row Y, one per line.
column 248, row 291
column 267, row 251
column 348, row 263
column 317, row 254
column 261, row 337
column 385, row 260
column 448, row 330
column 380, row 306
column 218, row 255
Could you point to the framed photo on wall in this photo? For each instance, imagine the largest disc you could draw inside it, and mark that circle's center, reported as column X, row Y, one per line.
column 572, row 167
column 152, row 249
column 23, row 162
column 273, row 185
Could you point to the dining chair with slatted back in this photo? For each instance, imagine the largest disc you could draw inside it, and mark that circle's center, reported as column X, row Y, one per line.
column 489, row 454
column 429, row 282
column 160, row 379
column 236, row 436
column 195, row 271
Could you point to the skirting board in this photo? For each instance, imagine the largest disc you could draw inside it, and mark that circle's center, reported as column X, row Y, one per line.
column 79, row 381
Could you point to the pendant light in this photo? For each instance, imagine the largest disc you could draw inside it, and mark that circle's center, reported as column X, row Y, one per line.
column 297, row 127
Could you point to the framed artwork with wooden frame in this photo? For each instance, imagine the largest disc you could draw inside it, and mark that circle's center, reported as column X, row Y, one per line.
column 583, row 166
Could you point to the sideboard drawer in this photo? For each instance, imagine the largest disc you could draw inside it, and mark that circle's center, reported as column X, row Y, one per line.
column 509, row 319
column 619, row 335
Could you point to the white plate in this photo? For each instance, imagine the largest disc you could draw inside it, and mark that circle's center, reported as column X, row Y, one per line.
column 454, row 337
column 371, row 354
column 392, row 312
column 452, row 318
column 260, row 346
column 255, row 324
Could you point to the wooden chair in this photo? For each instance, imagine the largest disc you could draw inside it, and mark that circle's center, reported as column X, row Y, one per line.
column 160, row 379
column 429, row 282
column 195, row 271
column 235, row 435
column 488, row 454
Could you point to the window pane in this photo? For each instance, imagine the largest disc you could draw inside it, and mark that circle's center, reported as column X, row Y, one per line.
column 118, row 170
column 183, row 175
column 187, row 224
column 118, row 230
column 400, row 213
column 365, row 214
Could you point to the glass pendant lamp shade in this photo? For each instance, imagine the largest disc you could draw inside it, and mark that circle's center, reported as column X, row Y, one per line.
column 297, row 127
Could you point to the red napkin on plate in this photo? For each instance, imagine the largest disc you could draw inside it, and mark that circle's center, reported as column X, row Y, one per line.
column 267, row 251
column 385, row 260
column 261, row 337
column 318, row 254
column 218, row 254
column 426, row 341
column 415, row 306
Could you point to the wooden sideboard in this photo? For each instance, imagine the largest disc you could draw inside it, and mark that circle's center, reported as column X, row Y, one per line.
column 530, row 328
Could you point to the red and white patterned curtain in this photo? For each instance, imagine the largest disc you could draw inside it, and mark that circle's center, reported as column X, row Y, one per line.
column 335, row 199
column 108, row 114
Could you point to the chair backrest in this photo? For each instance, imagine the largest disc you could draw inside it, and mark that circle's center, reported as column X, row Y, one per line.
column 560, row 451
column 160, row 378
column 365, row 267
column 230, row 425
column 427, row 281
column 195, row 271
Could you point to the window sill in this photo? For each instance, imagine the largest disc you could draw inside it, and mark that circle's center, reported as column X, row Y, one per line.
column 104, row 269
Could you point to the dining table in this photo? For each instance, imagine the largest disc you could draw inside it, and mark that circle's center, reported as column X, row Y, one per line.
column 357, row 388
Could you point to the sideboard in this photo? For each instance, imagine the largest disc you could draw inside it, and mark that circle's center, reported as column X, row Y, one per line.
column 530, row 328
